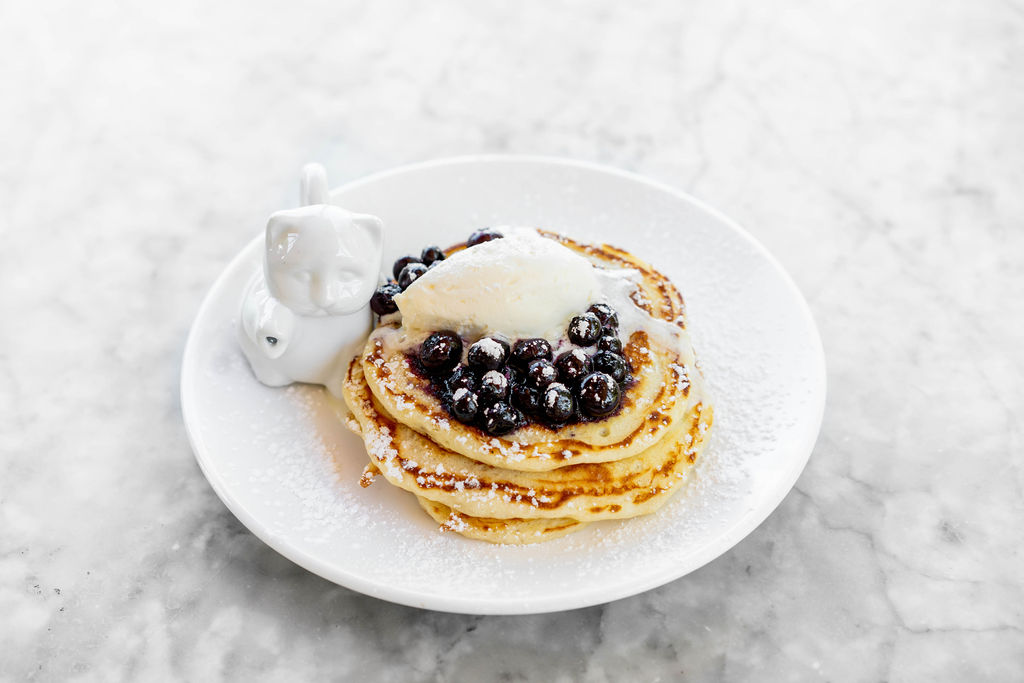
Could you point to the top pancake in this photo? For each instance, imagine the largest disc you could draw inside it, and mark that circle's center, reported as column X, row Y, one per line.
column 666, row 385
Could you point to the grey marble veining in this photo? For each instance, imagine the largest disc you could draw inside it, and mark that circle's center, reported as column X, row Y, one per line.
column 875, row 147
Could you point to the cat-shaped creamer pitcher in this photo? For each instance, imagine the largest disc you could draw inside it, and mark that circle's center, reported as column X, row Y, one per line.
column 306, row 314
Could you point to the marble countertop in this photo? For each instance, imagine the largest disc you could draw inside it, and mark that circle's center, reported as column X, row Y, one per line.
column 875, row 148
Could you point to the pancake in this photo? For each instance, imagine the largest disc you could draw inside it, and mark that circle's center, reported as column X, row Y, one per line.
column 516, row 531
column 540, row 482
column 665, row 384
column 627, row 487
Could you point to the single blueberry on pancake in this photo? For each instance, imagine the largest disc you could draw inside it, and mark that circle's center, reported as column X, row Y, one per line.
column 410, row 274
column 441, row 351
column 609, row 341
column 465, row 405
column 606, row 314
column 431, row 255
column 611, row 364
column 487, row 354
column 572, row 366
column 526, row 398
column 493, row 387
column 526, row 350
column 383, row 300
column 462, row 378
column 599, row 394
column 501, row 418
column 483, row 235
column 558, row 403
column 401, row 263
column 584, row 329
column 541, row 372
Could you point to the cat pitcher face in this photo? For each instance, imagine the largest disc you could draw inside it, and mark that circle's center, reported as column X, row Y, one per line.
column 323, row 260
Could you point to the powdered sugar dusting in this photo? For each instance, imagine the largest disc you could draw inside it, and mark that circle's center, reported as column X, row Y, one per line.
column 308, row 473
column 285, row 459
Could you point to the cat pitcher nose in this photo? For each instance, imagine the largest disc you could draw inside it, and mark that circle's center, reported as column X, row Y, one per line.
column 320, row 292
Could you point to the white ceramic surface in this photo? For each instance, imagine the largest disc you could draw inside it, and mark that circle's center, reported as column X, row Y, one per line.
column 288, row 470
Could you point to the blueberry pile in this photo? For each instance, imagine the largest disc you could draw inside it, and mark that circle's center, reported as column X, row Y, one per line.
column 502, row 386
column 408, row 268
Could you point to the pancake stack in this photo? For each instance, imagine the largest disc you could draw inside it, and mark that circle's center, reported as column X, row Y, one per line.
column 539, row 481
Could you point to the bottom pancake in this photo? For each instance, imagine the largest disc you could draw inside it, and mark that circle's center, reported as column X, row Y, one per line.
column 515, row 531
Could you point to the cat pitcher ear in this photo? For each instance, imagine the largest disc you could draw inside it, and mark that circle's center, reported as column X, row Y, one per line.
column 279, row 226
column 313, row 185
column 373, row 226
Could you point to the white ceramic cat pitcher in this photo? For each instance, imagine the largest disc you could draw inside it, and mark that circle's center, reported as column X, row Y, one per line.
column 307, row 313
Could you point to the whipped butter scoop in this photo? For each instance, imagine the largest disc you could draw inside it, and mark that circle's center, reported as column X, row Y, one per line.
column 522, row 285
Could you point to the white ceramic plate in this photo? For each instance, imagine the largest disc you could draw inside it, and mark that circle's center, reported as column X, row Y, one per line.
column 288, row 469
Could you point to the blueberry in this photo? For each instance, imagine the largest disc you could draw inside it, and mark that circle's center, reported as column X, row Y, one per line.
column 609, row 341
column 573, row 366
column 611, row 364
column 599, row 394
column 401, row 263
column 484, row 235
column 526, row 398
column 493, row 387
column 465, row 405
column 410, row 274
column 487, row 354
column 584, row 329
column 541, row 373
column 441, row 351
column 501, row 418
column 462, row 378
column 526, row 350
column 557, row 401
column 383, row 300
column 431, row 255
column 606, row 314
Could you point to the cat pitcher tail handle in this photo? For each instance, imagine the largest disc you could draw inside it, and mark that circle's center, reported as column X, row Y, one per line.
column 313, row 185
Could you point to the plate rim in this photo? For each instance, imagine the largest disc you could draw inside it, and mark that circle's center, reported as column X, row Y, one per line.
column 724, row 541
